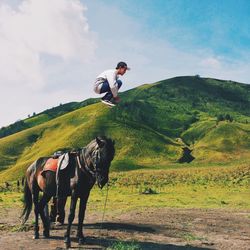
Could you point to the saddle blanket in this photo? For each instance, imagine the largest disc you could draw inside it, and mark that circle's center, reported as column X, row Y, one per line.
column 51, row 164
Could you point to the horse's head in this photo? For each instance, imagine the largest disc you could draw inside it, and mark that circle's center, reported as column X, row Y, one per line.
column 102, row 151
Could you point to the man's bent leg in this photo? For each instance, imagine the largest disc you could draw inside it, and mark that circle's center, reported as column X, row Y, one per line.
column 106, row 89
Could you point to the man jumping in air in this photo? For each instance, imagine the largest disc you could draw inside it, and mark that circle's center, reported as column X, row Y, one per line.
column 108, row 82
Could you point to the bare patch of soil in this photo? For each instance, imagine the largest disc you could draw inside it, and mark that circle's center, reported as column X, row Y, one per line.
column 152, row 228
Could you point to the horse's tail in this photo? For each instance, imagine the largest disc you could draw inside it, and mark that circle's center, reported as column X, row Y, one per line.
column 27, row 201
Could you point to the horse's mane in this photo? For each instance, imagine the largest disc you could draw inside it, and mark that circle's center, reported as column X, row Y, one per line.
column 109, row 146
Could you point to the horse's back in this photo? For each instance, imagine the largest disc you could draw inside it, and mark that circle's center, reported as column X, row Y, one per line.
column 37, row 165
column 34, row 171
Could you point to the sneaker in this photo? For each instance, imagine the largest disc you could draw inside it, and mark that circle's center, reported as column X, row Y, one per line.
column 108, row 102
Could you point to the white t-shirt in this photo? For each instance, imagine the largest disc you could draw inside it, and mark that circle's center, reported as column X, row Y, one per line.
column 111, row 77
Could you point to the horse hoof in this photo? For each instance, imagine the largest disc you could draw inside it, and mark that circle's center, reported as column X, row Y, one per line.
column 81, row 241
column 46, row 234
column 67, row 242
column 67, row 245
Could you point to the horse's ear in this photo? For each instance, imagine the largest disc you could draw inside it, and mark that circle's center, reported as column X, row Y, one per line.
column 99, row 142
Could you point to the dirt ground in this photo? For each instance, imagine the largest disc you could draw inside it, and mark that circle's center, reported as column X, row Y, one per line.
column 161, row 228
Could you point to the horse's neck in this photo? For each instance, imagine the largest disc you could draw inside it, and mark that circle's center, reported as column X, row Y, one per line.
column 87, row 154
column 86, row 161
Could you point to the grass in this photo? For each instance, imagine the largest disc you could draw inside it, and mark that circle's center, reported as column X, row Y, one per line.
column 15, row 228
column 178, row 196
column 190, row 237
column 214, row 175
column 51, row 136
column 10, row 198
column 204, row 187
column 207, row 187
column 150, row 127
column 121, row 245
column 124, row 199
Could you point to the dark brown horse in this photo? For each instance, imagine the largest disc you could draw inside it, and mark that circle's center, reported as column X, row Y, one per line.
column 88, row 165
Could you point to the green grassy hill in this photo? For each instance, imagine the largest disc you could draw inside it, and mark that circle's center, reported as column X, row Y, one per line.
column 150, row 126
column 44, row 116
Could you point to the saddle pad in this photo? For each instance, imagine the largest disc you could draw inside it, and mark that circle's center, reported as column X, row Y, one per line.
column 51, row 164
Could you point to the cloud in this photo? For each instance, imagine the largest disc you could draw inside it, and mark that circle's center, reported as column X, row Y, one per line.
column 150, row 54
column 36, row 36
column 211, row 62
column 54, row 27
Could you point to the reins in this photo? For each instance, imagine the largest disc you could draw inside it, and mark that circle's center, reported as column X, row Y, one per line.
column 105, row 204
column 104, row 210
column 84, row 167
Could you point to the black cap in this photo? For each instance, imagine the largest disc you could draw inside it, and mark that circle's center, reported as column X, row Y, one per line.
column 122, row 65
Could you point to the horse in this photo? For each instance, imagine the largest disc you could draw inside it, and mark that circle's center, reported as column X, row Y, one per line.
column 89, row 164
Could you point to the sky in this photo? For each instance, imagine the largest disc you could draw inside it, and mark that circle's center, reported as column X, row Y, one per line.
column 52, row 50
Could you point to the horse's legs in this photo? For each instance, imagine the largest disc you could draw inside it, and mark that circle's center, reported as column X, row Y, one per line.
column 46, row 224
column 71, row 217
column 53, row 210
column 35, row 195
column 61, row 210
column 57, row 210
column 82, row 209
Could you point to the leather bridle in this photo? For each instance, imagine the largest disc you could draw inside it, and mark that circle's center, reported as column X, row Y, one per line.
column 83, row 165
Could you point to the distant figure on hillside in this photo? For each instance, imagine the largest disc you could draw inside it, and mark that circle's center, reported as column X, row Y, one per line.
column 108, row 82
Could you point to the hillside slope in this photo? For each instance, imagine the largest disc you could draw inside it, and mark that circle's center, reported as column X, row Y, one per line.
column 150, row 126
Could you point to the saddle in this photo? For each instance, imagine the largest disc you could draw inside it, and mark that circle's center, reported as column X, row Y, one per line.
column 62, row 166
column 56, row 164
